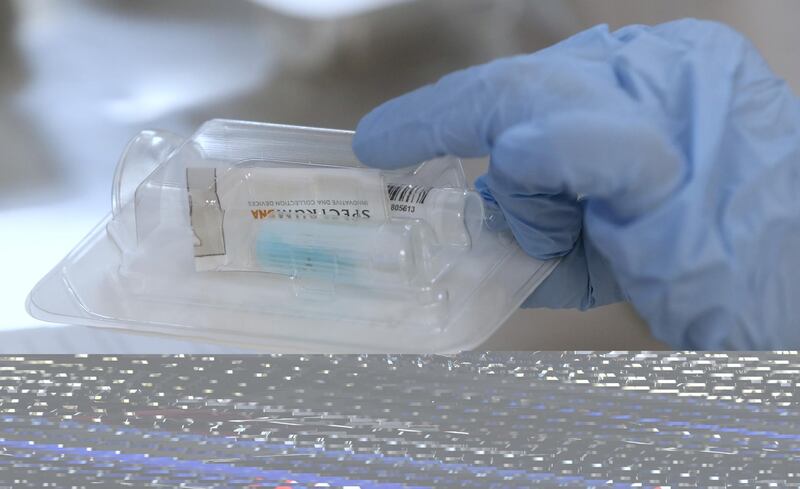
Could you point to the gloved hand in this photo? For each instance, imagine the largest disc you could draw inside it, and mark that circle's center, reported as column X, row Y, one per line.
column 664, row 159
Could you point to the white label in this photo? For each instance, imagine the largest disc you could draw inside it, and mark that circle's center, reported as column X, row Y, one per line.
column 407, row 200
column 345, row 194
column 229, row 207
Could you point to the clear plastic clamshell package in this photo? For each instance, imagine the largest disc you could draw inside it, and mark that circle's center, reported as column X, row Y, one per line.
column 275, row 237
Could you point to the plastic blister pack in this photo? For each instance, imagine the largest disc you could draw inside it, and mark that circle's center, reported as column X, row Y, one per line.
column 276, row 237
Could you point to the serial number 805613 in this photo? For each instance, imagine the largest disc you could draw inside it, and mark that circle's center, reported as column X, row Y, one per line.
column 403, row 208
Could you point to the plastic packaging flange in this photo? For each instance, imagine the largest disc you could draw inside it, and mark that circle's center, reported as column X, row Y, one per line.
column 135, row 270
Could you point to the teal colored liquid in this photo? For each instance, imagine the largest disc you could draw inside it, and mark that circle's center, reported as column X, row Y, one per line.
column 303, row 257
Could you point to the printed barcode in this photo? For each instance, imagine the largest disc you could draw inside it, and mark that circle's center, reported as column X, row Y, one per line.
column 411, row 194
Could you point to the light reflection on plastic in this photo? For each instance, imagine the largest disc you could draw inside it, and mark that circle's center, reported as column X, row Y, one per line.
column 31, row 248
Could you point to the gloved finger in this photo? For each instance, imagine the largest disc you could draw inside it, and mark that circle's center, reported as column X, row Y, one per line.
column 442, row 118
column 567, row 287
column 545, row 222
column 493, row 214
column 570, row 284
column 547, row 225
column 464, row 111
column 621, row 167
column 583, row 279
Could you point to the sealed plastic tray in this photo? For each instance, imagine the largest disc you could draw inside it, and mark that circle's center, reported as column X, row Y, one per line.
column 277, row 238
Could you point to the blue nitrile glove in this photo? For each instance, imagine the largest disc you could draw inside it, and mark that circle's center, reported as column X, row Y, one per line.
column 664, row 159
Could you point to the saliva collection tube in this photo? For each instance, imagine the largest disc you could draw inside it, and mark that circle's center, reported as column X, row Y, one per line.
column 344, row 225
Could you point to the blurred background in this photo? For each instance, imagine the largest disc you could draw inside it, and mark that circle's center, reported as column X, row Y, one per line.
column 79, row 79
